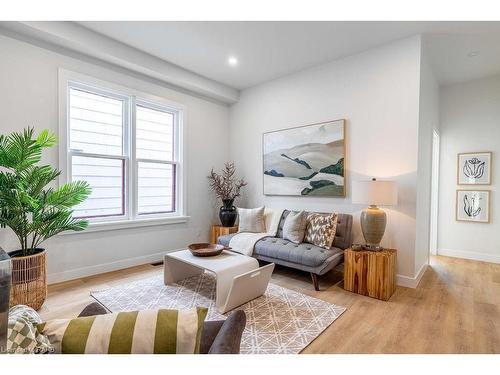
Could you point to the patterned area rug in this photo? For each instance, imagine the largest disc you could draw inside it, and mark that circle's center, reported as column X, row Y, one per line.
column 281, row 321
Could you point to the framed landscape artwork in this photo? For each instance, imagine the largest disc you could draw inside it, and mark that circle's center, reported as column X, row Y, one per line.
column 473, row 205
column 305, row 161
column 474, row 168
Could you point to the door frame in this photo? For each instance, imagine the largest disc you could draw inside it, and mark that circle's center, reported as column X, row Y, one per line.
column 433, row 237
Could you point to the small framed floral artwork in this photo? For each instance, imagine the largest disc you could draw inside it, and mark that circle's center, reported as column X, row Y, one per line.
column 474, row 168
column 473, row 205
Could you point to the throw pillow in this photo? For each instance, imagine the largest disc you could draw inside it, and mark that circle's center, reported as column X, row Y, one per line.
column 295, row 227
column 22, row 334
column 251, row 220
column 132, row 332
column 321, row 229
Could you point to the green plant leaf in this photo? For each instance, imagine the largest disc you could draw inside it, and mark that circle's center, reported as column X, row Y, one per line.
column 28, row 205
column 69, row 195
column 46, row 139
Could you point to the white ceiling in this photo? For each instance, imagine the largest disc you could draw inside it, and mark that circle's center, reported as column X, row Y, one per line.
column 268, row 50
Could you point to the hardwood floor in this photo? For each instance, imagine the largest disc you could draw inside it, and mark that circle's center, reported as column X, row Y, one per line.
column 455, row 309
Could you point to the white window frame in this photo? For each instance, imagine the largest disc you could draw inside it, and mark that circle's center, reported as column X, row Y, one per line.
column 131, row 97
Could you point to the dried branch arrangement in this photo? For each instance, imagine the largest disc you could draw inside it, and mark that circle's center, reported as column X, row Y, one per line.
column 225, row 185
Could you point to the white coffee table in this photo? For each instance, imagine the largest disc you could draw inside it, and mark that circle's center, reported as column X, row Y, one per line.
column 239, row 278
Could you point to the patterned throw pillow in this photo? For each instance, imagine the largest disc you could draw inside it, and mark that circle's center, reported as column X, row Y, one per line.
column 22, row 335
column 295, row 226
column 251, row 220
column 133, row 332
column 321, row 229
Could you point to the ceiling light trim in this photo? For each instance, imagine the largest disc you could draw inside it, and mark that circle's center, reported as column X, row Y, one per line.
column 232, row 61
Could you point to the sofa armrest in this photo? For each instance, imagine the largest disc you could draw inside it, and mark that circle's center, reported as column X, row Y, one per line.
column 228, row 339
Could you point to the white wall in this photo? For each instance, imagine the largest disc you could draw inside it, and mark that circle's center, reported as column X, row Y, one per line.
column 428, row 121
column 470, row 121
column 28, row 96
column 377, row 92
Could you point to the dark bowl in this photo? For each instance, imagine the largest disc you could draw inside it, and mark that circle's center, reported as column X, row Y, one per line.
column 206, row 249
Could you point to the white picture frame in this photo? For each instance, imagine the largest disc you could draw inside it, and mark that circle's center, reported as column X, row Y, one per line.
column 473, row 206
column 474, row 168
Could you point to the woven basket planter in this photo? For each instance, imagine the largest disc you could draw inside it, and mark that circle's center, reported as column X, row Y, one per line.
column 29, row 279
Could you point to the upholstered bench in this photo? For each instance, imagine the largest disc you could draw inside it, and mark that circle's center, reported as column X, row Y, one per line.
column 305, row 256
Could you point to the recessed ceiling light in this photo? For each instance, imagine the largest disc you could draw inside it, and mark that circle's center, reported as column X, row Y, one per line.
column 233, row 61
column 473, row 53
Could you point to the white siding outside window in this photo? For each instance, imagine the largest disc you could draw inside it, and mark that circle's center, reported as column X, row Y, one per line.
column 127, row 147
column 106, row 178
column 96, row 128
column 155, row 160
column 156, row 187
column 96, row 123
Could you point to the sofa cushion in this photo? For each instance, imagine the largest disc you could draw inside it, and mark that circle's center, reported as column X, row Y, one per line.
column 303, row 254
column 224, row 240
column 294, row 228
column 278, row 248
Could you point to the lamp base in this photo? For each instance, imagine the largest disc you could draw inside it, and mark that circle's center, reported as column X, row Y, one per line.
column 373, row 222
column 373, row 247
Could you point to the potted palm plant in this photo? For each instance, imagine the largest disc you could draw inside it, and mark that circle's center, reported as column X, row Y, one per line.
column 33, row 211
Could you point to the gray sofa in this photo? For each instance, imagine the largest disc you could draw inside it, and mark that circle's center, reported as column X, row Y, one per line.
column 305, row 256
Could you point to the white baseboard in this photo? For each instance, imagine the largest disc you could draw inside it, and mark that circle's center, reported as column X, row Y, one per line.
column 52, row 278
column 492, row 258
column 411, row 282
column 77, row 273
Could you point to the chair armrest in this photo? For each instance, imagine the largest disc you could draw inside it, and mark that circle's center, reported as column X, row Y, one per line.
column 228, row 339
column 93, row 309
column 210, row 331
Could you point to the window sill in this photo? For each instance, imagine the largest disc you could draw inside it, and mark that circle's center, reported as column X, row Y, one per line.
column 118, row 225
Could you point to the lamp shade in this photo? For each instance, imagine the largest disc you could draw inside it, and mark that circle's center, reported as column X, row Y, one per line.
column 378, row 193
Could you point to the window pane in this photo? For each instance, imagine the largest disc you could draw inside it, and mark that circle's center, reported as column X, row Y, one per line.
column 96, row 123
column 154, row 134
column 106, row 178
column 156, row 190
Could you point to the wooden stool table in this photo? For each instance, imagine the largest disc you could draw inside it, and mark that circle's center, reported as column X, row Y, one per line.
column 370, row 273
column 219, row 230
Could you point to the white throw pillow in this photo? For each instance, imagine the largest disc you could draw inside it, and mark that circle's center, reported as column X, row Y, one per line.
column 251, row 220
column 294, row 227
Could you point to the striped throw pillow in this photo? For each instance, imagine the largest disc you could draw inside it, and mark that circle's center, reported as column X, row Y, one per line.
column 133, row 332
